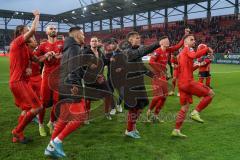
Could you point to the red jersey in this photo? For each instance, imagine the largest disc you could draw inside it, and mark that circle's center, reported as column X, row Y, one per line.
column 34, row 66
column 45, row 47
column 159, row 59
column 174, row 61
column 206, row 66
column 19, row 59
column 186, row 61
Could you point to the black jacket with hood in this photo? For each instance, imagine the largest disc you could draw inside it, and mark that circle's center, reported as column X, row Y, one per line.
column 130, row 81
column 71, row 70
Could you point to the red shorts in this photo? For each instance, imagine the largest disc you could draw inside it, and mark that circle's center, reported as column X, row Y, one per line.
column 73, row 111
column 160, row 86
column 24, row 96
column 35, row 82
column 49, row 95
column 187, row 90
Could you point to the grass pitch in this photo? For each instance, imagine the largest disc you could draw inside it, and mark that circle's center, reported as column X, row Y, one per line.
column 217, row 139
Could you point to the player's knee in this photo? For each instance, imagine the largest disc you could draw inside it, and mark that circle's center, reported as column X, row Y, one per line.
column 185, row 107
column 211, row 93
column 23, row 112
column 37, row 110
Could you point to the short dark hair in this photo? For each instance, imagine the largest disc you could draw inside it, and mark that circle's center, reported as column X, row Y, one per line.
column 75, row 28
column 186, row 36
column 19, row 30
column 111, row 41
column 163, row 37
column 94, row 37
column 132, row 33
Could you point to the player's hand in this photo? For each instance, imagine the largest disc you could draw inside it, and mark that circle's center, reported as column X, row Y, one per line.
column 211, row 57
column 210, row 51
column 74, row 90
column 197, row 64
column 28, row 71
column 187, row 31
column 118, row 70
column 112, row 59
column 93, row 66
column 203, row 63
column 57, row 55
column 49, row 55
column 36, row 13
column 100, row 79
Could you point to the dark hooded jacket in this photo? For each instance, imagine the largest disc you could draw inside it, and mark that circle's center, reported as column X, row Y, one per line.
column 71, row 70
column 133, row 70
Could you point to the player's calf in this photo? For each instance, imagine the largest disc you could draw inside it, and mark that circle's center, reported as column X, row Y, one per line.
column 206, row 100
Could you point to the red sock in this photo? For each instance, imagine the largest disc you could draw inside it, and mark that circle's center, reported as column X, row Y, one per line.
column 52, row 115
column 41, row 115
column 208, row 81
column 154, row 102
column 133, row 115
column 159, row 105
column 68, row 129
column 201, row 79
column 20, row 118
column 204, row 103
column 24, row 122
column 88, row 106
column 174, row 83
column 180, row 118
column 59, row 126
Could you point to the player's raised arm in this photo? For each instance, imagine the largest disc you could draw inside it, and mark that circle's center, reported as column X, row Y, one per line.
column 33, row 28
column 142, row 51
column 192, row 54
column 180, row 43
column 189, row 43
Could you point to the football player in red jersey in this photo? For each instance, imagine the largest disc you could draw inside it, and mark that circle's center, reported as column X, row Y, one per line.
column 49, row 97
column 174, row 63
column 204, row 68
column 35, row 77
column 159, row 64
column 188, row 87
column 71, row 107
column 25, row 97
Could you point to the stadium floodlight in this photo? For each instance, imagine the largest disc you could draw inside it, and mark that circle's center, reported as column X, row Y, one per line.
column 118, row 7
column 134, row 3
column 73, row 12
column 101, row 4
column 85, row 8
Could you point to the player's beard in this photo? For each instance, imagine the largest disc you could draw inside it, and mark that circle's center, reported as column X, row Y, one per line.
column 94, row 47
column 53, row 34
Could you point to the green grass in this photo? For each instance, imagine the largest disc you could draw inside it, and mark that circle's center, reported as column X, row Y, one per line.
column 217, row 139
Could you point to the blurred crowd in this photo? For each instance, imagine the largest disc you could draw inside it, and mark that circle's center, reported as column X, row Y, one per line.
column 221, row 33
